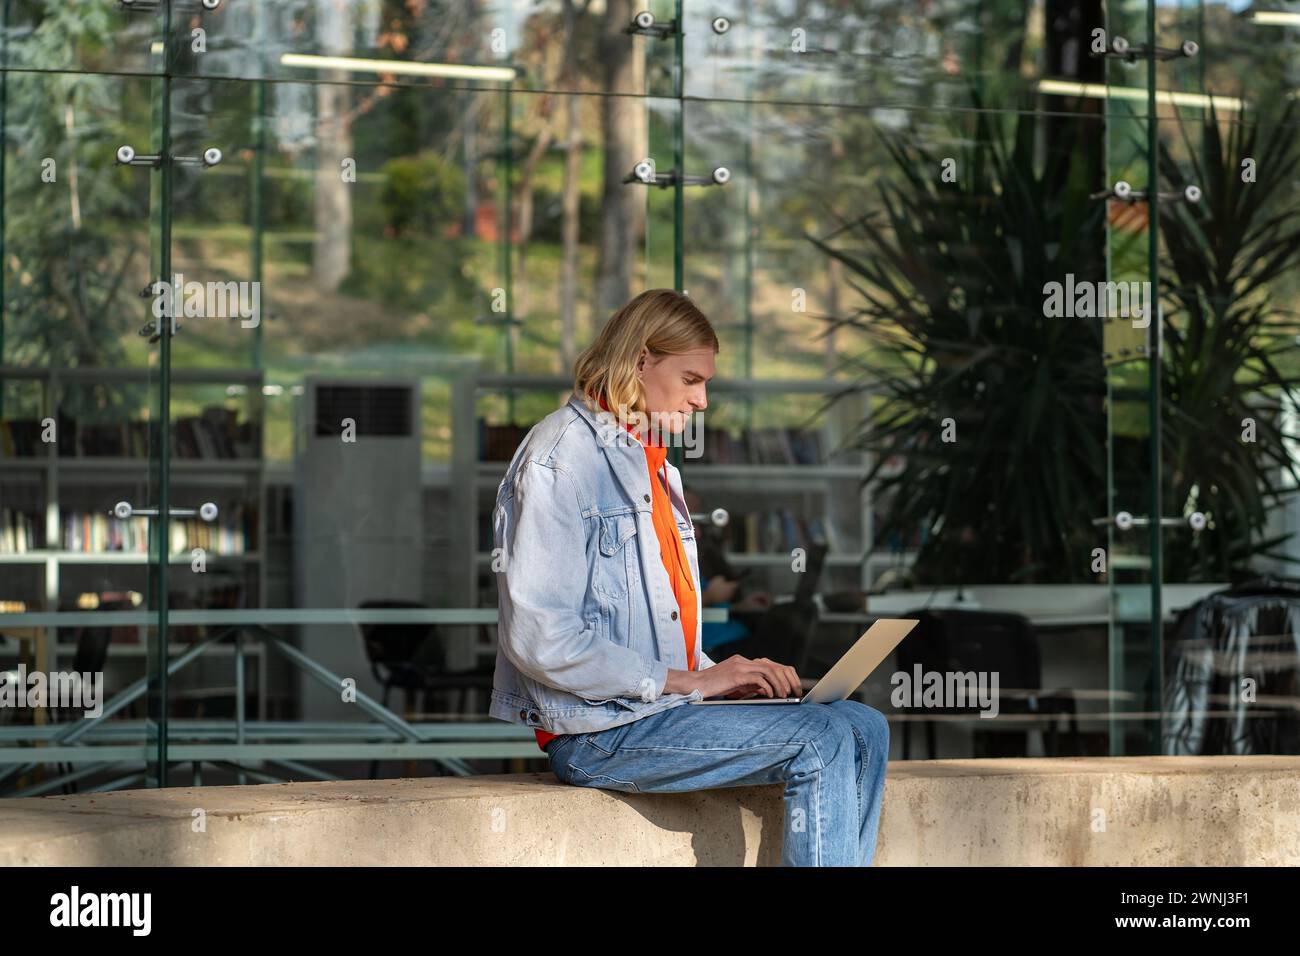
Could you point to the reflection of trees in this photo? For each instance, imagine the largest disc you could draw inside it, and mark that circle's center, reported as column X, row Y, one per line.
column 332, row 198
column 566, row 79
column 622, row 127
column 575, row 55
column 866, row 52
column 612, row 90
column 75, row 246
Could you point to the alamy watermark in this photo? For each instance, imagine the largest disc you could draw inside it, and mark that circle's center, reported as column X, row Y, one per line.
column 655, row 427
column 947, row 690
column 77, row 909
column 66, row 690
column 241, row 300
column 1098, row 300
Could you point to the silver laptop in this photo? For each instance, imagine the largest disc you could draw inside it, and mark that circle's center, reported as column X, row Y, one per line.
column 875, row 644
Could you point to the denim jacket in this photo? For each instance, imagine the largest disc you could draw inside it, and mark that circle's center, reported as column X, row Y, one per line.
column 588, row 625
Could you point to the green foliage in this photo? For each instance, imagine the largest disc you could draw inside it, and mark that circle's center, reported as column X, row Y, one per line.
column 1226, row 335
column 421, row 194
column 68, row 299
column 417, row 267
column 952, row 277
column 548, row 216
column 952, row 282
column 415, row 276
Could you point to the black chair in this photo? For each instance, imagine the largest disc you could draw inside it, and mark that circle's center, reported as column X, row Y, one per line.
column 91, row 657
column 410, row 657
column 782, row 633
column 951, row 640
column 1247, row 631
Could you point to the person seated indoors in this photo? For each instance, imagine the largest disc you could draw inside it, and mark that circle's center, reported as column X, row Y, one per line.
column 724, row 588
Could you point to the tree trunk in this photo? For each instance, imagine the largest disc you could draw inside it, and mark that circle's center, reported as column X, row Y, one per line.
column 571, row 205
column 570, row 201
column 332, row 203
column 623, row 131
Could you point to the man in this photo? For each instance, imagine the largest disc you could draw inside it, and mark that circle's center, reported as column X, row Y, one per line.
column 599, row 599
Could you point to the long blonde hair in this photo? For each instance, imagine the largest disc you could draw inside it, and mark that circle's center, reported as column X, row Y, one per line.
column 663, row 321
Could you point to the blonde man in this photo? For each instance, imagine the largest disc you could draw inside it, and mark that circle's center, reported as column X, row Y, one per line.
column 599, row 599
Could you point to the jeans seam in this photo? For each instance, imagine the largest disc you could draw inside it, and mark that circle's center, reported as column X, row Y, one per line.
column 604, row 776
column 866, row 756
column 584, row 740
column 786, row 743
column 817, row 805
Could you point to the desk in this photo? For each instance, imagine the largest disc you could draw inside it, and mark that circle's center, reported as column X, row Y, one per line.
column 1046, row 605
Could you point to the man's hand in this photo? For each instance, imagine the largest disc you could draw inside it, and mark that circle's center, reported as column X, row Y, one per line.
column 737, row 677
column 719, row 590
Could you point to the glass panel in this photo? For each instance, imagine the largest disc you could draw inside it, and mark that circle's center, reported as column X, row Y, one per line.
column 442, row 46
column 426, row 259
column 1131, row 547
column 904, row 258
column 395, row 225
column 84, row 36
column 1228, row 267
column 928, row 55
column 80, row 386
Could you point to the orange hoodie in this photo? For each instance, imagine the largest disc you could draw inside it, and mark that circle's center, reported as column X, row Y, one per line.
column 670, row 544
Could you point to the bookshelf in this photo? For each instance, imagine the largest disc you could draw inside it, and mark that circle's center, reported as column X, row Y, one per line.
column 58, row 541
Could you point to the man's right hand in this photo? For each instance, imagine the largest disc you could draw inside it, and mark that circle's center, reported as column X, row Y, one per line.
column 737, row 676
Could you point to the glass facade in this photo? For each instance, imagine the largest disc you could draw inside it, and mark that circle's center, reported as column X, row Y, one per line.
column 1004, row 296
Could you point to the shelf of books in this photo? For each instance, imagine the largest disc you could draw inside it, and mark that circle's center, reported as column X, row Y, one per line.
column 75, row 442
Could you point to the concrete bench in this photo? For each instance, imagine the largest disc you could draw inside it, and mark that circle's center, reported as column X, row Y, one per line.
column 1197, row 811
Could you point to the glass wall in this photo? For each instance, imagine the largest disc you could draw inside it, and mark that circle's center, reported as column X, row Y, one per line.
column 1003, row 292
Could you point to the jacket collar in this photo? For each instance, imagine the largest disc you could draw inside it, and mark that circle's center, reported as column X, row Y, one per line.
column 650, row 443
column 620, row 448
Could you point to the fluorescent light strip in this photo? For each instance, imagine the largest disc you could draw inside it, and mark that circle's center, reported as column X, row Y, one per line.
column 1101, row 91
column 452, row 70
column 1275, row 18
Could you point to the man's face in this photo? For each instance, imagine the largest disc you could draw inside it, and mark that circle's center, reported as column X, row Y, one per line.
column 674, row 386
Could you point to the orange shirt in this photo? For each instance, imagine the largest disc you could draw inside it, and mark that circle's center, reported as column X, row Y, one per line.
column 670, row 544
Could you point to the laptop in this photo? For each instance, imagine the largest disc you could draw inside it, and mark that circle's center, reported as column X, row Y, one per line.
column 875, row 644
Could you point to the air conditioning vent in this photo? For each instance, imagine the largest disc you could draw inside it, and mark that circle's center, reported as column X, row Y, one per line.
column 378, row 410
column 358, row 521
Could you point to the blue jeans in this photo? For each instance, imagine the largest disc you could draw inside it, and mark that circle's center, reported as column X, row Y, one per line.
column 831, row 758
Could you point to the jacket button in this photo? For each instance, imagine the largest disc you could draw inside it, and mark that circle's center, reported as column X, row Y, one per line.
column 646, row 497
column 674, row 615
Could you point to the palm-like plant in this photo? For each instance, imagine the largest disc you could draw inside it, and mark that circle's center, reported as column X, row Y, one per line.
column 1225, row 339
column 952, row 279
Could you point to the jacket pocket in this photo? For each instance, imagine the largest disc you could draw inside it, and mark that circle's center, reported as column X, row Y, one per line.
column 615, row 531
column 607, row 741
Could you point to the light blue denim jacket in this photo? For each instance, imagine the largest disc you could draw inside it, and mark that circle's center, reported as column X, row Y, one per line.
column 588, row 624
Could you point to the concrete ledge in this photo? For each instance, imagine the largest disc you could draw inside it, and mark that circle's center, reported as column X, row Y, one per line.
column 1177, row 811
